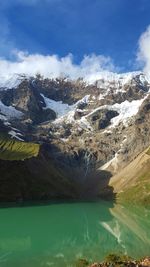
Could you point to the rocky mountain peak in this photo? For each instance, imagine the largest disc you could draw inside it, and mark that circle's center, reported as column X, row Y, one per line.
column 86, row 130
column 100, row 116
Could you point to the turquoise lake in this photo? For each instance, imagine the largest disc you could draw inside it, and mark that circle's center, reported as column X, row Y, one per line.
column 59, row 234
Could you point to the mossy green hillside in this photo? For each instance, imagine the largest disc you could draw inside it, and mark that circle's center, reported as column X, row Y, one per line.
column 139, row 192
column 132, row 184
column 11, row 149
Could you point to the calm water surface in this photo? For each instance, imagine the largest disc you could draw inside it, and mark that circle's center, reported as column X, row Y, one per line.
column 58, row 234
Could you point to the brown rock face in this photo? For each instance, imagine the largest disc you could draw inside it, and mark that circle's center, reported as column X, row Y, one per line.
column 51, row 175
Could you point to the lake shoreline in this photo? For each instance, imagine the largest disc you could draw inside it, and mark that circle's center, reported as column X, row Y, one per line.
column 30, row 203
column 23, row 204
column 117, row 261
column 132, row 263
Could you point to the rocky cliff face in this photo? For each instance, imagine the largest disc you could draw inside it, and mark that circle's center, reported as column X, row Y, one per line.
column 96, row 128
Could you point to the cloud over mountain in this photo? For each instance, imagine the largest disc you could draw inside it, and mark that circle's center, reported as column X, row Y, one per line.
column 144, row 50
column 55, row 66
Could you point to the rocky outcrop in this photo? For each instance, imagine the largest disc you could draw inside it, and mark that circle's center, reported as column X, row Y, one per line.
column 115, row 260
column 100, row 119
column 27, row 99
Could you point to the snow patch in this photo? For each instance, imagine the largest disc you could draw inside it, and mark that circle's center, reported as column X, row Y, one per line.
column 9, row 111
column 111, row 163
column 3, row 118
column 113, row 82
column 84, row 124
column 126, row 110
column 68, row 118
column 61, row 109
column 104, row 79
column 84, row 100
column 10, row 81
column 15, row 135
column 6, row 123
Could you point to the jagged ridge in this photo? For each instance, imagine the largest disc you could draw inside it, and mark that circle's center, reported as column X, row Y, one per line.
column 98, row 125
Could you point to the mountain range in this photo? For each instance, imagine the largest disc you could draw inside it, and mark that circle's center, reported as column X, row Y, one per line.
column 75, row 139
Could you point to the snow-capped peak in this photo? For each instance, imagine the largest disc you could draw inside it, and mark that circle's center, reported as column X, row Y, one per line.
column 105, row 79
column 10, row 81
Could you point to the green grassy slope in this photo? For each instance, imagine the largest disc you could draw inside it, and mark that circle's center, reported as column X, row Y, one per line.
column 132, row 184
column 140, row 192
column 11, row 149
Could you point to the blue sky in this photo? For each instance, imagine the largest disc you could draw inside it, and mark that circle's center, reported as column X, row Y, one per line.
column 81, row 27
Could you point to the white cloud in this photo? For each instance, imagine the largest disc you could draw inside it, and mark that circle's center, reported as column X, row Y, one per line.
column 54, row 66
column 144, row 50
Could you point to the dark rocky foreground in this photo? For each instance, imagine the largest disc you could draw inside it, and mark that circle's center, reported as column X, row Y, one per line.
column 117, row 261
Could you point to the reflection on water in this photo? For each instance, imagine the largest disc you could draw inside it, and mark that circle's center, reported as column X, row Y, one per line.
column 58, row 234
column 15, row 244
column 130, row 226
